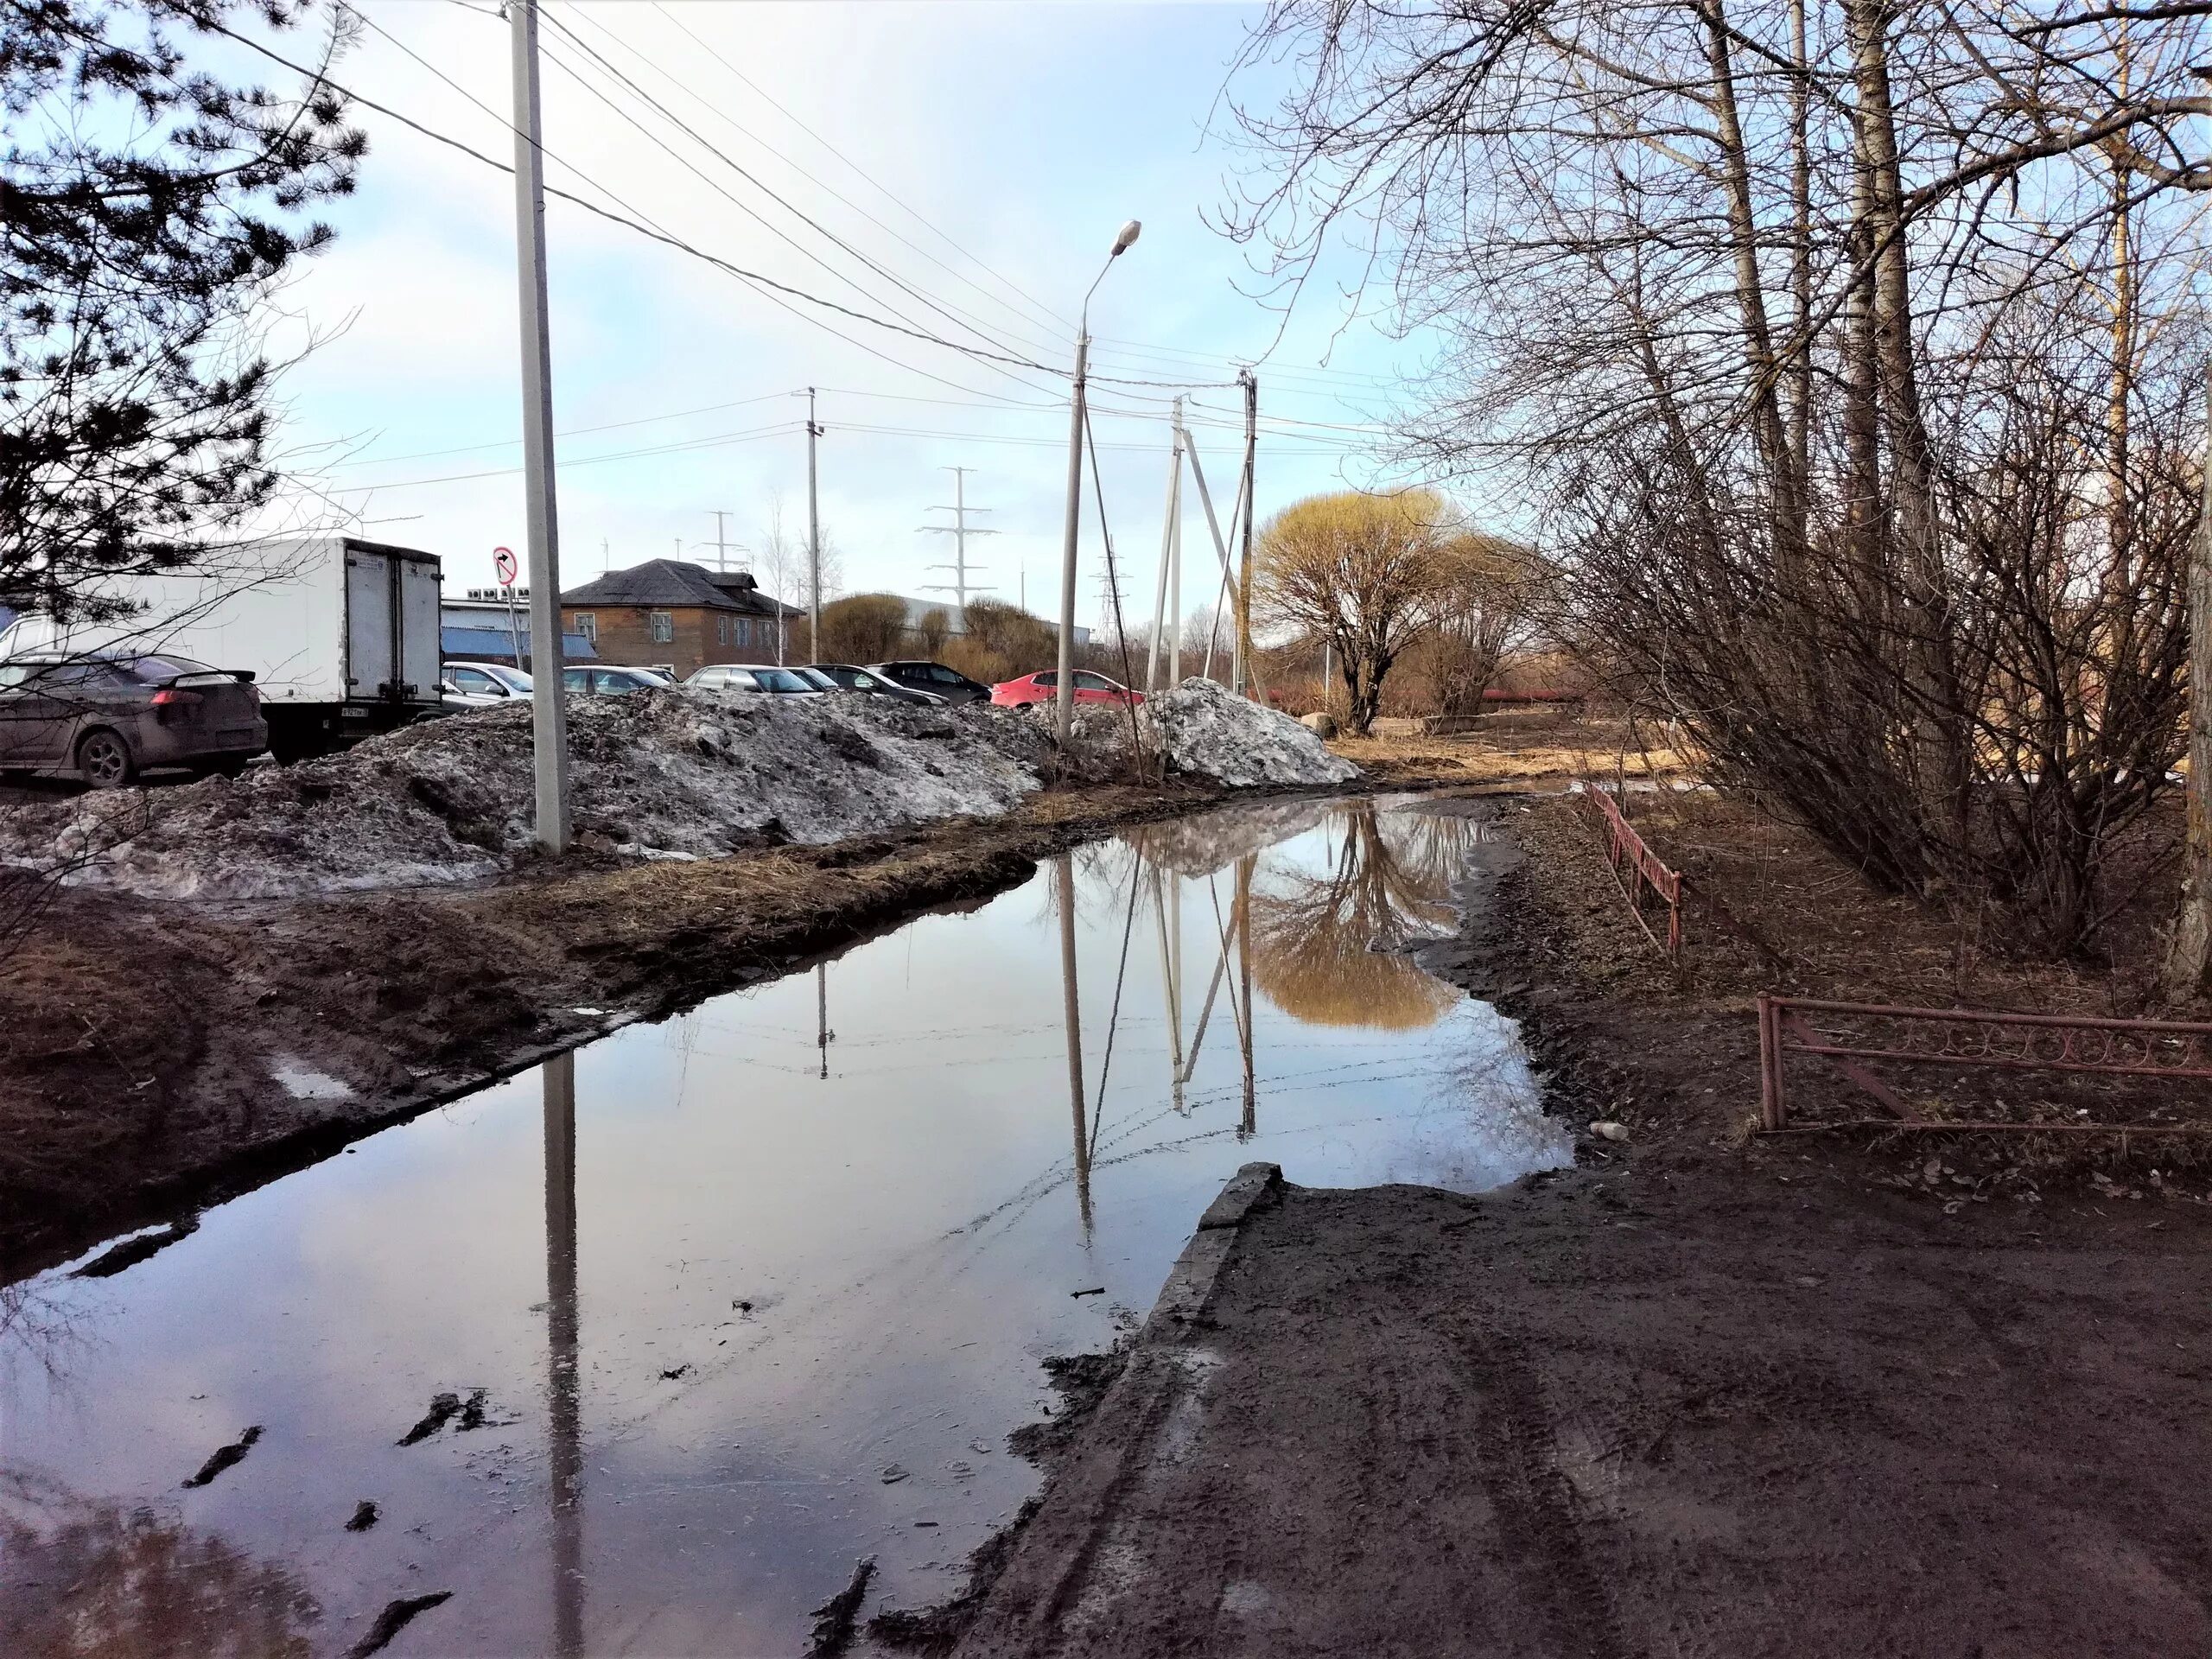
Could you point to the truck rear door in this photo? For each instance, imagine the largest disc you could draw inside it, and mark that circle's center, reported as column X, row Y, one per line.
column 420, row 652
column 372, row 620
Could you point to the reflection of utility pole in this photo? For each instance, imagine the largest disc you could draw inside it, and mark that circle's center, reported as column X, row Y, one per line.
column 1244, row 865
column 822, row 1031
column 1065, row 871
column 565, row 1458
column 1170, row 980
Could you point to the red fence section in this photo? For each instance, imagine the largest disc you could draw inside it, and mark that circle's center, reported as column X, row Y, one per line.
column 1638, row 870
column 1845, row 1034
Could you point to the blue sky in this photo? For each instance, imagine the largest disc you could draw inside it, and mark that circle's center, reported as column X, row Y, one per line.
column 986, row 153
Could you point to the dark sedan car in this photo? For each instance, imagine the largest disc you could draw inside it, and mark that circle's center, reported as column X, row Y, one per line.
column 867, row 681
column 949, row 684
column 107, row 716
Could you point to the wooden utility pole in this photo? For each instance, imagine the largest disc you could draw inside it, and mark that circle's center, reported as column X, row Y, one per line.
column 2189, row 963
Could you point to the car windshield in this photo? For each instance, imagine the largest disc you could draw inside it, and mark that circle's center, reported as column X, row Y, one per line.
column 851, row 678
column 781, row 679
column 816, row 678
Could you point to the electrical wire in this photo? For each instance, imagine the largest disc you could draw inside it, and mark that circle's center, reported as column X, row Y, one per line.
column 720, row 441
column 565, row 432
column 945, row 307
column 994, row 350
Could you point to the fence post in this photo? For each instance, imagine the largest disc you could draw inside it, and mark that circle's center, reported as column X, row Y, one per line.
column 1770, row 1102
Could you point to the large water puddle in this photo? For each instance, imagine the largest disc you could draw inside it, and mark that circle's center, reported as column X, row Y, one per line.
column 728, row 1302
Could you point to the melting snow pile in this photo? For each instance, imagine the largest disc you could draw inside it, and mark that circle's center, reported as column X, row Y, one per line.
column 667, row 775
column 1210, row 732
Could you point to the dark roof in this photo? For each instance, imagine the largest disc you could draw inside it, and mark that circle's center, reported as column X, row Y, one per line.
column 668, row 583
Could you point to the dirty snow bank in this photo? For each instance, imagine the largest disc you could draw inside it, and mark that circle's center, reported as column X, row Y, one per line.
column 1204, row 730
column 671, row 774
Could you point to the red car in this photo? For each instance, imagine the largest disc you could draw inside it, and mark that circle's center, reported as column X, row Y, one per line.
column 1044, row 687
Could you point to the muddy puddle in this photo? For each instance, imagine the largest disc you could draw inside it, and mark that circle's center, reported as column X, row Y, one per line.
column 638, row 1353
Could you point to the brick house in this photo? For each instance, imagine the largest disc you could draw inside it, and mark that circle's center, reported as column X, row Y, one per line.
column 668, row 613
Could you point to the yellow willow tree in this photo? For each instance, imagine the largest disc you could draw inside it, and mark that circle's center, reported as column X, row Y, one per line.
column 1364, row 575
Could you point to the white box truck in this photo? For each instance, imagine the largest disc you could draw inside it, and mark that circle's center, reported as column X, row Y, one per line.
column 341, row 634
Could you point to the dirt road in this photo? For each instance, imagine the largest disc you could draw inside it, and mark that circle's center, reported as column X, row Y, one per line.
column 1700, row 1395
column 1615, row 1415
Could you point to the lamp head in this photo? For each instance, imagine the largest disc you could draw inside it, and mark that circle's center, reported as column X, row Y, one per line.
column 1128, row 235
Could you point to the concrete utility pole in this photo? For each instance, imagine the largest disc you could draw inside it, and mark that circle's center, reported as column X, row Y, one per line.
column 1245, row 678
column 959, row 531
column 1171, row 564
column 1063, row 699
column 549, row 704
column 813, row 546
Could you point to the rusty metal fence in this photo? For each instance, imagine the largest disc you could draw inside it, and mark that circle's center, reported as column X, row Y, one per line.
column 1847, row 1035
column 1638, row 871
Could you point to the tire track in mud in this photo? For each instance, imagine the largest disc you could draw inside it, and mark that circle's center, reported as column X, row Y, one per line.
column 1540, row 1521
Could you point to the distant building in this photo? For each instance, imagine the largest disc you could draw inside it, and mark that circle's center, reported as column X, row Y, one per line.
column 955, row 618
column 480, row 629
column 672, row 614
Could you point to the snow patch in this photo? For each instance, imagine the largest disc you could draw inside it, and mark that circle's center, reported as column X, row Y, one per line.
column 673, row 775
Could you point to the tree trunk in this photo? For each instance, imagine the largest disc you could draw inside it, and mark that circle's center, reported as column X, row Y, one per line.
column 2190, row 963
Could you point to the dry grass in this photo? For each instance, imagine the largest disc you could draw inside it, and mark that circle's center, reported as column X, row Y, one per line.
column 1522, row 747
column 1689, row 1036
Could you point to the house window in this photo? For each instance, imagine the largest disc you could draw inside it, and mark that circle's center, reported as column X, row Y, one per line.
column 721, row 630
column 745, row 631
column 587, row 624
column 660, row 626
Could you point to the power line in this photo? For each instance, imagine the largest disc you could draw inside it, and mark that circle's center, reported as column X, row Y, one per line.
column 565, row 432
column 720, row 441
column 997, row 352
column 1051, row 317
column 945, row 307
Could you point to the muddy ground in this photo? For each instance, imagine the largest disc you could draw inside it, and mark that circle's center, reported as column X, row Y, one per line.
column 144, row 1059
column 1709, row 1395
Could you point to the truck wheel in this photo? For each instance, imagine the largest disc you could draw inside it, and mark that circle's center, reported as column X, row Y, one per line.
column 103, row 760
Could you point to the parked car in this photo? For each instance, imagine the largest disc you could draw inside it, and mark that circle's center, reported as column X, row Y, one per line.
column 1044, row 687
column 948, row 684
column 753, row 676
column 484, row 684
column 605, row 681
column 850, row 679
column 109, row 715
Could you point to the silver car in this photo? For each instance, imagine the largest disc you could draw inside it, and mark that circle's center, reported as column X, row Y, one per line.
column 107, row 716
column 753, row 676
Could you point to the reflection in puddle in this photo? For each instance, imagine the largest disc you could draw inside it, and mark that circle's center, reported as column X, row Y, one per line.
column 746, row 1295
column 86, row 1581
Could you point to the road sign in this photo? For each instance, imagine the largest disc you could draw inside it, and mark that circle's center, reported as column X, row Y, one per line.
column 503, row 561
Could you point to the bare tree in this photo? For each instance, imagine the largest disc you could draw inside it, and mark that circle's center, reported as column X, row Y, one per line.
column 1849, row 353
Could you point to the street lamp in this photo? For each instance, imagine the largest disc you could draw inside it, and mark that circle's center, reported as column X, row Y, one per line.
column 1063, row 699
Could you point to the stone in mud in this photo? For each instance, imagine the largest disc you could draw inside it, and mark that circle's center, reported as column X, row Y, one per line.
column 444, row 1407
column 224, row 1457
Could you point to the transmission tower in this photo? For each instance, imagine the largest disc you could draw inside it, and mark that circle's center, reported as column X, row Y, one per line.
column 960, row 529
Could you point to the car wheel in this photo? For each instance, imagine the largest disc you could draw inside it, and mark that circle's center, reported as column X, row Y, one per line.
column 103, row 760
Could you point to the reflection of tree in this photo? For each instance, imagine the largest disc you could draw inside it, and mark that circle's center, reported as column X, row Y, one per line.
column 1327, row 948
column 93, row 1579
